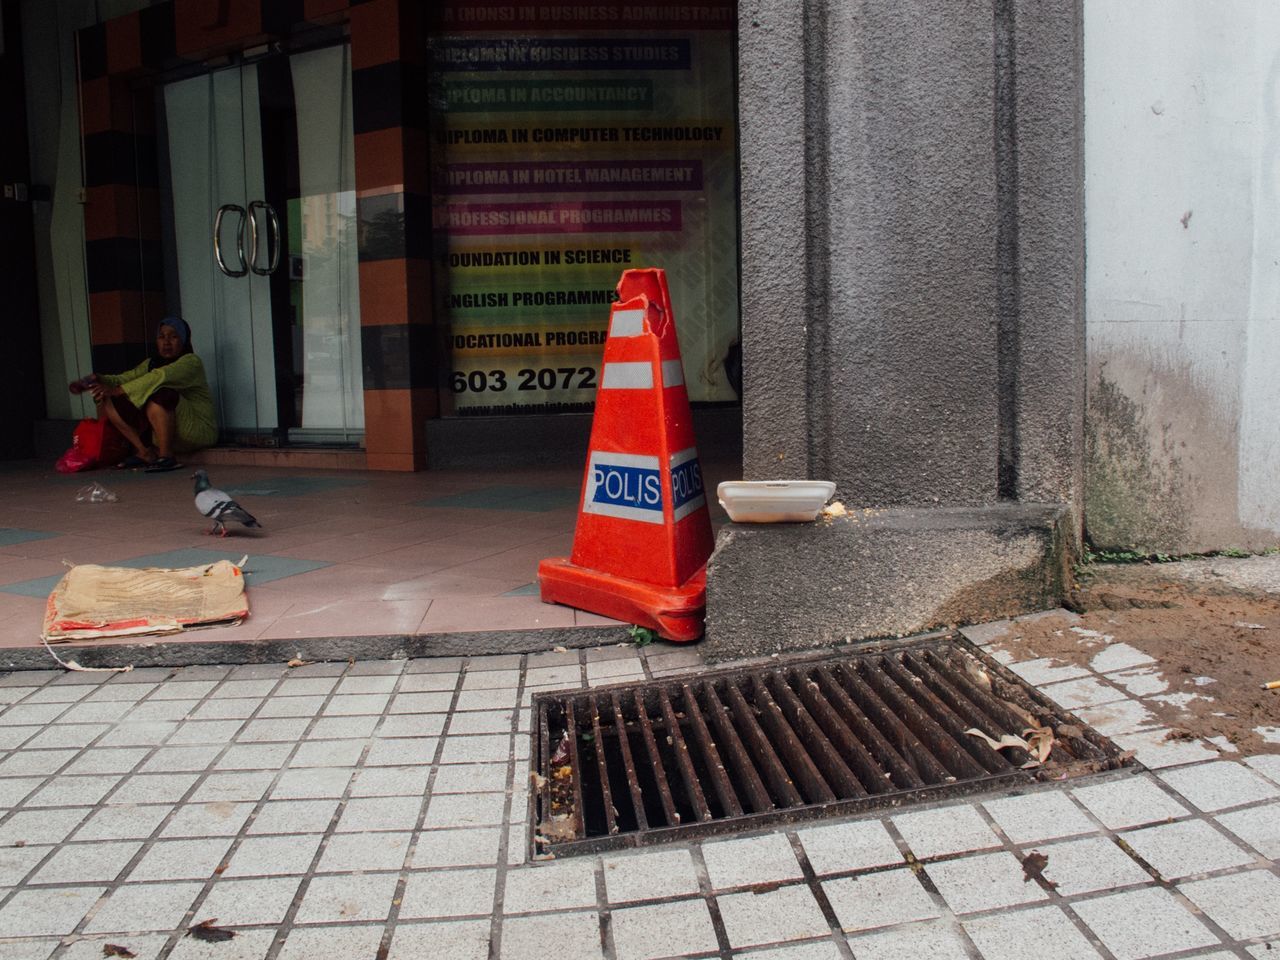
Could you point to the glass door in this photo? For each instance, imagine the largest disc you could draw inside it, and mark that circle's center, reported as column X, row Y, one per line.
column 263, row 196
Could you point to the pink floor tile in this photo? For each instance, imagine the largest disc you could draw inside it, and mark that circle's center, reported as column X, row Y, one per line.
column 448, row 583
column 348, row 618
column 460, row 614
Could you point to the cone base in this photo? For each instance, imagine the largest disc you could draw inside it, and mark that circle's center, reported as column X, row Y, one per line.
column 675, row 613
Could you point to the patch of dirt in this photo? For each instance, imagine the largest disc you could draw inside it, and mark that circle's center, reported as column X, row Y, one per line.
column 1192, row 630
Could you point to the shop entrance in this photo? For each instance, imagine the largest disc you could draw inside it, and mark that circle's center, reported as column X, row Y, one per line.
column 263, row 214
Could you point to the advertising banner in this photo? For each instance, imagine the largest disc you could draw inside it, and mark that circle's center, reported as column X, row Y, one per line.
column 571, row 142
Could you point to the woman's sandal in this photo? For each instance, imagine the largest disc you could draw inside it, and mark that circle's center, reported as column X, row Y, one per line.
column 133, row 462
column 163, row 465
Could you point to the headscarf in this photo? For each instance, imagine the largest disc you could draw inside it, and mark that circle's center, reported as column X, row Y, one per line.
column 183, row 330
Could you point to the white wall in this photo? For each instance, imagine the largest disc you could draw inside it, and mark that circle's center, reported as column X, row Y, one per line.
column 1182, row 130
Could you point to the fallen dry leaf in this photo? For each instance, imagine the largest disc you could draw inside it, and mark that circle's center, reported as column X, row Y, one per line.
column 537, row 780
column 205, row 930
column 115, row 950
column 1007, row 740
column 1041, row 740
column 298, row 662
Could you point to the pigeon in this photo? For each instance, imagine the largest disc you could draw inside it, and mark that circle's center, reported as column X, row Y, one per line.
column 218, row 506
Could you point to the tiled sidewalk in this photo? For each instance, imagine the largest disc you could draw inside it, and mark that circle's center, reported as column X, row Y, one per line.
column 340, row 810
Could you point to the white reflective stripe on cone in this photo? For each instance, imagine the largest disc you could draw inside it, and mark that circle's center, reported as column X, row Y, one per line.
column 672, row 373
column 628, row 376
column 627, row 323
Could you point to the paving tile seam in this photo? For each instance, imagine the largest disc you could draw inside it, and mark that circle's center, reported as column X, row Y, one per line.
column 814, row 885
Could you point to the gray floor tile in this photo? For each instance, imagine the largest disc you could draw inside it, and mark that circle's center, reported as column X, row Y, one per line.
column 312, row 783
column 145, row 734
column 273, row 856
column 17, row 862
column 331, row 899
column 41, row 826
column 350, row 941
column 429, row 702
column 241, row 902
column 347, row 852
column 177, row 759
column 474, row 846
column 379, row 813
column 465, row 809
column 219, row 818
column 1182, row 849
column 932, row 939
column 343, row 728
column 983, row 882
column 449, row 893
column 1039, row 816
column 239, row 708
column 879, row 900
column 278, row 706
column 503, row 699
column 183, row 689
column 456, row 939
column 107, row 760
column 390, row 781
column 369, row 684
column 849, row 846
column 231, row 787
column 470, row 778
column 647, row 876
column 279, row 730
column 59, row 735
column 255, row 756
column 1130, row 802
column 293, row 816
column 305, row 686
column 141, row 907
column 1217, row 786
column 1143, row 923
column 1089, row 864
column 156, row 710
column 34, row 913
column 761, row 859
column 954, row 829
column 481, row 721
column 429, row 682
column 1257, row 826
column 73, row 791
column 787, row 913
column 123, row 823
column 206, row 731
column 663, row 930
column 485, row 748
column 1044, row 933
column 248, row 945
column 576, row 936
column 99, row 862
column 408, row 725
column 181, row 859
column 14, row 789
column 1154, row 751
column 147, row 946
column 356, row 704
column 384, row 753
column 328, row 753
column 32, row 763
column 237, row 689
column 153, row 788
column 555, row 885
column 1246, row 905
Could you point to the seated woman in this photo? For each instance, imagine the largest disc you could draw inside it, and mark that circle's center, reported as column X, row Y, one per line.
column 161, row 406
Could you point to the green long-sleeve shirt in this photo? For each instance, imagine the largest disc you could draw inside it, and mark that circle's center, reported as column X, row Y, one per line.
column 197, row 423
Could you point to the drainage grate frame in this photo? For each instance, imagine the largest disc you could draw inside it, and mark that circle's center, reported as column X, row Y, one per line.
column 880, row 725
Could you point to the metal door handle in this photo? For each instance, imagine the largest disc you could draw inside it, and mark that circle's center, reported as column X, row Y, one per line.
column 273, row 238
column 217, row 240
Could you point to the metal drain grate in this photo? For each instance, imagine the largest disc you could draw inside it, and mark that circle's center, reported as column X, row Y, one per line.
column 733, row 749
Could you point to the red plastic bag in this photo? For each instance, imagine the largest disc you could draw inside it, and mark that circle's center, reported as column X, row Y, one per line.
column 94, row 443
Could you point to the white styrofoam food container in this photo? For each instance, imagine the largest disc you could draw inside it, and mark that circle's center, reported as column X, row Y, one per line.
column 774, row 501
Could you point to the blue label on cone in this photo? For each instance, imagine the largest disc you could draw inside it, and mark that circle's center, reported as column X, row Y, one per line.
column 627, row 486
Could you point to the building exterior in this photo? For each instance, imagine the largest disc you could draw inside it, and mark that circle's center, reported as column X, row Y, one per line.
column 399, row 224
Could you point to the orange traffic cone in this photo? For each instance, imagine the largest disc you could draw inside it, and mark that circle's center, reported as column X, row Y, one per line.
column 643, row 537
